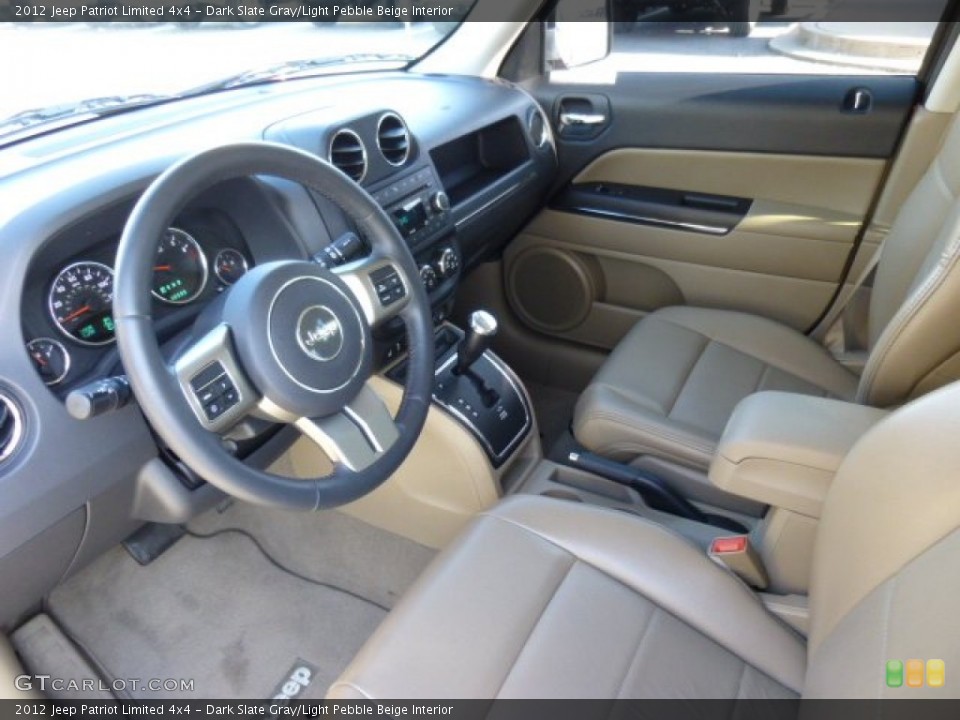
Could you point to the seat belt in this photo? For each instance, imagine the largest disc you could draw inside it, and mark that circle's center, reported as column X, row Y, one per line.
column 834, row 337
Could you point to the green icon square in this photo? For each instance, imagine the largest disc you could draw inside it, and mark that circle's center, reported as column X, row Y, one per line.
column 894, row 673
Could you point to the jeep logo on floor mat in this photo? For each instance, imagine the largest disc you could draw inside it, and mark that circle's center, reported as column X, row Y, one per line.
column 295, row 681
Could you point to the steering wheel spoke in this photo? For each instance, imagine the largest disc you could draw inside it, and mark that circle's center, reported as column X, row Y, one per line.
column 379, row 285
column 214, row 385
column 357, row 435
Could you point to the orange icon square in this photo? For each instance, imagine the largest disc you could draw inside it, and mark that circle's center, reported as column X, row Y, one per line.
column 914, row 673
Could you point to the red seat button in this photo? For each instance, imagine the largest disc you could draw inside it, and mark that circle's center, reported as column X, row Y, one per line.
column 724, row 545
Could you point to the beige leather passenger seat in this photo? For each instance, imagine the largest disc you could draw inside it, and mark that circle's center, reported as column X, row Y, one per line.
column 542, row 598
column 672, row 383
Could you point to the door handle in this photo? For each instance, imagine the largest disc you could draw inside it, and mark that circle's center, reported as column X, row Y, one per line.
column 858, row 101
column 576, row 119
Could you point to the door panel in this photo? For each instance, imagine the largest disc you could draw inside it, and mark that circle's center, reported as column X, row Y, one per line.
column 739, row 192
column 782, row 260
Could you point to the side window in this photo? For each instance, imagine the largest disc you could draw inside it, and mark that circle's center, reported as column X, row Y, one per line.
column 792, row 37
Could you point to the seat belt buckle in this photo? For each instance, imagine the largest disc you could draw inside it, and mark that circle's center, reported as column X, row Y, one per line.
column 738, row 555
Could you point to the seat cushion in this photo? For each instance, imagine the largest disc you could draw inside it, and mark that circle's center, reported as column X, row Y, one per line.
column 542, row 598
column 672, row 383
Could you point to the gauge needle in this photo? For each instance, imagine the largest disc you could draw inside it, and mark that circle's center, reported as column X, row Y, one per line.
column 161, row 268
column 39, row 359
column 76, row 313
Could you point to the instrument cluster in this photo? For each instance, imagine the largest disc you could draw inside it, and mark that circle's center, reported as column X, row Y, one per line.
column 80, row 297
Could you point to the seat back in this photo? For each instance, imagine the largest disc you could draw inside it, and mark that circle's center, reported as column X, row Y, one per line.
column 886, row 573
column 914, row 335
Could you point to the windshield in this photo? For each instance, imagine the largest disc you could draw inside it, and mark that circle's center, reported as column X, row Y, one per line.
column 54, row 66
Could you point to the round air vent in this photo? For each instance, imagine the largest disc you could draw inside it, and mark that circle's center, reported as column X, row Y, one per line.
column 537, row 127
column 348, row 154
column 11, row 427
column 393, row 138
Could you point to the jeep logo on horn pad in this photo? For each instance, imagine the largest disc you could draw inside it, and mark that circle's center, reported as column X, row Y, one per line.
column 319, row 333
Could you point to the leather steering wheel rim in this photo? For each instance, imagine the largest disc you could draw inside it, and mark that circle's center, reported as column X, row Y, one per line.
column 162, row 395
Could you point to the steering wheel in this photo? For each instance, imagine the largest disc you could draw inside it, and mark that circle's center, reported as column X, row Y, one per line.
column 290, row 342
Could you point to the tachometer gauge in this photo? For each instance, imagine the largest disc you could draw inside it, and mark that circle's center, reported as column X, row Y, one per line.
column 230, row 265
column 50, row 358
column 180, row 270
column 81, row 303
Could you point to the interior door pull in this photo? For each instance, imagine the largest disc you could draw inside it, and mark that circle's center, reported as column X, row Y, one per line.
column 574, row 119
column 858, row 101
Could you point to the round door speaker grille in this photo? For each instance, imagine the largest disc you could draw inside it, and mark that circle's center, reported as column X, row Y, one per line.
column 551, row 289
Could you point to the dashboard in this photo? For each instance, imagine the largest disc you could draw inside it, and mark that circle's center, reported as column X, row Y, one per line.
column 458, row 164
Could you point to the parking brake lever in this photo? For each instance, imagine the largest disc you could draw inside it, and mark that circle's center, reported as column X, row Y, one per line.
column 655, row 493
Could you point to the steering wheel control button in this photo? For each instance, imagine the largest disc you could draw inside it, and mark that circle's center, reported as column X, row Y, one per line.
column 214, row 390
column 206, row 376
column 386, row 281
column 320, row 333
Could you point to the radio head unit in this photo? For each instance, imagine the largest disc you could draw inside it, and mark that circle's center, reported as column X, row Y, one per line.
column 417, row 205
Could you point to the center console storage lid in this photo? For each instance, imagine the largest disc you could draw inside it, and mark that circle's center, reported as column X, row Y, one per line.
column 783, row 449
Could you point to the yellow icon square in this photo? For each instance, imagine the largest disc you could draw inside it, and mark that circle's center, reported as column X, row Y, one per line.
column 936, row 673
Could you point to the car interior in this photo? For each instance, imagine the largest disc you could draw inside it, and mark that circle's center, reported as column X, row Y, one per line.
column 467, row 379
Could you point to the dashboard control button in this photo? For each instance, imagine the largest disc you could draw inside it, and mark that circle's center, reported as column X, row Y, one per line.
column 448, row 262
column 440, row 202
column 428, row 276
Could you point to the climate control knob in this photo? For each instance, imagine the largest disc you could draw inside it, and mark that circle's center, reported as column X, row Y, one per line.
column 440, row 202
column 428, row 276
column 447, row 262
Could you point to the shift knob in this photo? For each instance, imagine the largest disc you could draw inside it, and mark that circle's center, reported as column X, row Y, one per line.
column 481, row 328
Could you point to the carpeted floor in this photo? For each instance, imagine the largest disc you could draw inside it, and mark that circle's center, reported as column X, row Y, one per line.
column 218, row 611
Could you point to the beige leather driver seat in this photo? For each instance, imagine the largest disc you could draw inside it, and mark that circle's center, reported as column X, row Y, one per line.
column 672, row 383
column 542, row 598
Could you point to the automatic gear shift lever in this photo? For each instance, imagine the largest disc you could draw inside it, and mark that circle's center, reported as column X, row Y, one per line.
column 482, row 326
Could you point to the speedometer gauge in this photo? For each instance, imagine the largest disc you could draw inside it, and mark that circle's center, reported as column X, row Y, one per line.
column 180, row 269
column 81, row 302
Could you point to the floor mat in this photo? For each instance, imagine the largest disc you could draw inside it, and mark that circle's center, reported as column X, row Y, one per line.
column 219, row 612
column 329, row 546
column 554, row 409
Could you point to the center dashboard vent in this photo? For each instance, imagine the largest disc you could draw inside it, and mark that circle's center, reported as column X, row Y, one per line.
column 11, row 427
column 348, row 153
column 393, row 139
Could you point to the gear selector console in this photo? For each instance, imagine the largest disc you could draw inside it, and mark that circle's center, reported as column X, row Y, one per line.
column 477, row 388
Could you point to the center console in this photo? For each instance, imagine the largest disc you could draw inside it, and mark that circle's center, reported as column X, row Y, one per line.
column 476, row 388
